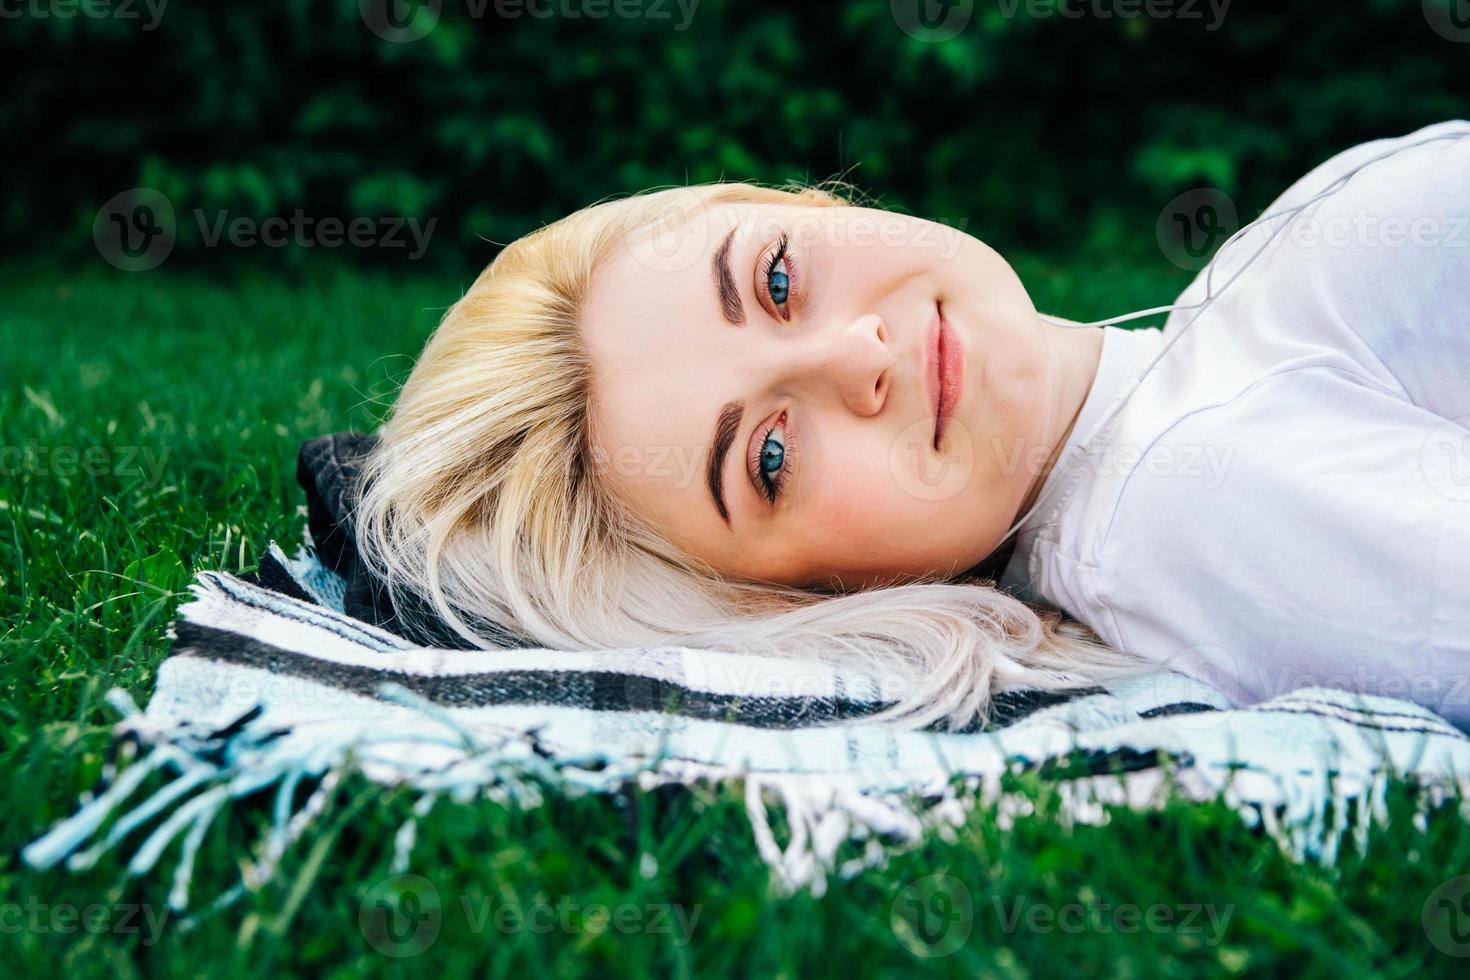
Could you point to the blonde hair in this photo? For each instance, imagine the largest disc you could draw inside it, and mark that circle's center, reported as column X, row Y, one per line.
column 481, row 503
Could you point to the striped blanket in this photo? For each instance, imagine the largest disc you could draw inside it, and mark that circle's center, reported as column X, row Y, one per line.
column 271, row 687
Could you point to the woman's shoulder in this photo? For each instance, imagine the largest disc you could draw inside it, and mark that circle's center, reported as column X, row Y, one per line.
column 1392, row 197
column 1377, row 167
column 1365, row 259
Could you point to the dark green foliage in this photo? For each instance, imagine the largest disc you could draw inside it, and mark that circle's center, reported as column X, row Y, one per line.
column 1051, row 133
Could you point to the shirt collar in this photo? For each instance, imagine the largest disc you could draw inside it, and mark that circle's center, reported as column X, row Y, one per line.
column 1124, row 356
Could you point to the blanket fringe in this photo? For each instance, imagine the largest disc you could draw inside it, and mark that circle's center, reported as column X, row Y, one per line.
column 1308, row 819
column 822, row 818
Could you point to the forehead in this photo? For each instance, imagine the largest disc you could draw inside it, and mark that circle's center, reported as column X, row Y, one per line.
column 664, row 361
column 656, row 340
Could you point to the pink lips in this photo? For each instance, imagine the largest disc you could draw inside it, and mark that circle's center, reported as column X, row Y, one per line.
column 945, row 371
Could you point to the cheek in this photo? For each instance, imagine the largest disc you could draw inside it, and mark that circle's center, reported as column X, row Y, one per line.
column 857, row 514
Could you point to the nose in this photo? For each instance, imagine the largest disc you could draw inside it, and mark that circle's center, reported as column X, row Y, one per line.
column 853, row 362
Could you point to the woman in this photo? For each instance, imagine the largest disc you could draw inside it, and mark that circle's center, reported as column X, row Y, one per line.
column 752, row 419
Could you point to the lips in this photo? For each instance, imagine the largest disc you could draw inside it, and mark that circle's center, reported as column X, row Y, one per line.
column 945, row 371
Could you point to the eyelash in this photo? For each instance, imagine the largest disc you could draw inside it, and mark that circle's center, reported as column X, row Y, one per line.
column 768, row 265
column 771, row 488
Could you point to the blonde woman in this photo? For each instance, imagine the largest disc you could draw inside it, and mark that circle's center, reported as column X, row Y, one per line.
column 736, row 417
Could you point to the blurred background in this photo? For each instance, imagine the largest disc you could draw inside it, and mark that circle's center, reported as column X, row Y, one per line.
column 227, row 228
column 1054, row 128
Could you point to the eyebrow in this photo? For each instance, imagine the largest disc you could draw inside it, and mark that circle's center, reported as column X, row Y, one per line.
column 730, row 305
column 726, row 426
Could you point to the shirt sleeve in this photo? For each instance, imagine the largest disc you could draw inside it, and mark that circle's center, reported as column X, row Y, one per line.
column 1314, row 531
column 1385, row 255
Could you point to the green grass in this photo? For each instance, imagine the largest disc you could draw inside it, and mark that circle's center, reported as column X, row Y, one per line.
column 185, row 400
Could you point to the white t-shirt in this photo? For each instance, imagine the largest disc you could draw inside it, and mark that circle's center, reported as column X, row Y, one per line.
column 1284, row 501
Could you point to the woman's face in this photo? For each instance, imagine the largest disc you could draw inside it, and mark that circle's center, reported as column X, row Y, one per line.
column 817, row 396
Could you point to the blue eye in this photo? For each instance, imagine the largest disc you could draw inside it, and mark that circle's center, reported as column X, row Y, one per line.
column 778, row 283
column 777, row 274
column 773, row 456
column 770, row 459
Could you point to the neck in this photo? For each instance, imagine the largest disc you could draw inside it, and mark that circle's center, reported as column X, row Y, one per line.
column 1075, row 352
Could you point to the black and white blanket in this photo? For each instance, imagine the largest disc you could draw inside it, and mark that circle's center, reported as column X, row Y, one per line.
column 270, row 683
